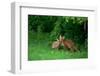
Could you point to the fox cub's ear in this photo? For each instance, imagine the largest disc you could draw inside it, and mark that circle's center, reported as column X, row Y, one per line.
column 60, row 37
column 57, row 40
column 63, row 37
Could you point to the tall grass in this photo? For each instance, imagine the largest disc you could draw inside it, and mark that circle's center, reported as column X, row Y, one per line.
column 40, row 49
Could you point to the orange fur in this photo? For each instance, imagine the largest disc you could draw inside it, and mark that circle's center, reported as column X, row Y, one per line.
column 68, row 44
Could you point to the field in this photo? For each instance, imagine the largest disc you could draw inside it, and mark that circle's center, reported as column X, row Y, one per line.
column 39, row 48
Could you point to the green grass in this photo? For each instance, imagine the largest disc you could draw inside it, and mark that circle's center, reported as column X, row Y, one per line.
column 40, row 49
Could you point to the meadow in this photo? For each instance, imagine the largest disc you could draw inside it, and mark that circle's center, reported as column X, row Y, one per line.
column 40, row 49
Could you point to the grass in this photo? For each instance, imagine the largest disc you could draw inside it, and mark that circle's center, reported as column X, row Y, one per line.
column 39, row 49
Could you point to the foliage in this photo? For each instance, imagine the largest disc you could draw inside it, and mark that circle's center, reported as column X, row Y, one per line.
column 74, row 28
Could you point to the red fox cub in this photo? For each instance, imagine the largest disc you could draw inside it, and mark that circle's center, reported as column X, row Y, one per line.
column 68, row 44
column 56, row 44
